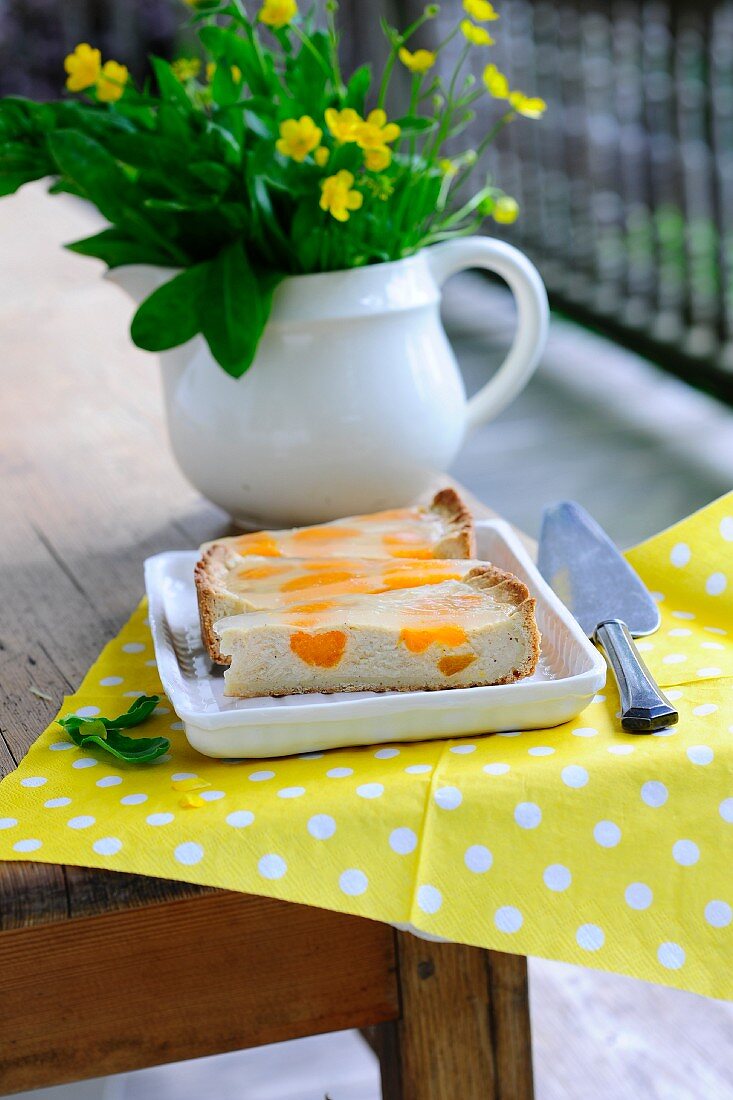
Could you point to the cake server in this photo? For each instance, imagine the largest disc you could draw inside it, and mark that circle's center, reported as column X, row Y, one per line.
column 610, row 602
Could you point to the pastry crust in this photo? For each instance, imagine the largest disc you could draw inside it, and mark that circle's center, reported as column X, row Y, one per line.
column 460, row 537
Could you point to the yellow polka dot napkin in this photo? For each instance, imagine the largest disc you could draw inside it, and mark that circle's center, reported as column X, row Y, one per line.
column 578, row 843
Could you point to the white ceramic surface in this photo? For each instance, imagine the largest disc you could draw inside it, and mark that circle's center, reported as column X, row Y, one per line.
column 571, row 671
column 354, row 401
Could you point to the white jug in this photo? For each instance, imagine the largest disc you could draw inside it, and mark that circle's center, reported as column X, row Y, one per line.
column 354, row 401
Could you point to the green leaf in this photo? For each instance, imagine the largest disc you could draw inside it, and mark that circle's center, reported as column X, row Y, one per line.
column 414, row 124
column 228, row 47
column 90, row 167
column 115, row 249
column 104, row 733
column 170, row 316
column 237, row 305
column 357, row 88
column 169, row 85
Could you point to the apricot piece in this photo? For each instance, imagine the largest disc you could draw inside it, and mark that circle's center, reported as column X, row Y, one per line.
column 323, row 650
column 260, row 545
column 417, row 640
column 316, row 580
column 260, row 573
column 325, row 534
column 416, row 578
column 449, row 666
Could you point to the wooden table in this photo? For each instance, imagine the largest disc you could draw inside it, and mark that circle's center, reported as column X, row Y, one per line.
column 101, row 972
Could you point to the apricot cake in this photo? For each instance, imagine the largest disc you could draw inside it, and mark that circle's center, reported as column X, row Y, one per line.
column 458, row 633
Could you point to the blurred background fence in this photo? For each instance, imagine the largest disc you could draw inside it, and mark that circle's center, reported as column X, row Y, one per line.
column 626, row 186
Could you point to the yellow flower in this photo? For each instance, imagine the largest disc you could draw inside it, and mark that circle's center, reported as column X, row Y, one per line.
column 480, row 10
column 344, row 125
column 337, row 196
column 496, row 83
column 321, row 156
column 506, row 210
column 477, row 36
column 278, row 13
column 419, row 61
column 111, row 82
column 447, row 167
column 186, row 68
column 83, row 67
column 376, row 131
column 529, row 106
column 376, row 160
column 298, row 137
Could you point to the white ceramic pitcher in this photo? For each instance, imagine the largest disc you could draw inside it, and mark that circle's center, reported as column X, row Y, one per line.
column 354, row 401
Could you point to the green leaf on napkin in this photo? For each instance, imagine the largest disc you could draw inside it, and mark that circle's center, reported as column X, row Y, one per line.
column 105, row 733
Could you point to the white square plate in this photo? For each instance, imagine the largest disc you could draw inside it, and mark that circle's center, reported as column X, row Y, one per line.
column 569, row 673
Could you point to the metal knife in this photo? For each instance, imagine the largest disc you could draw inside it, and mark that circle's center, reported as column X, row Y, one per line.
column 610, row 602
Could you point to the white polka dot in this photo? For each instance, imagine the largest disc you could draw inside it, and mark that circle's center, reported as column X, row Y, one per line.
column 654, row 793
column 685, row 852
column 159, row 819
column 85, row 762
column 510, row 733
column 705, row 709
column 291, row 792
column 211, row 796
column 671, row 955
column 645, row 647
column 240, row 819
column 462, row 750
column 419, row 769
column 176, row 776
column 541, row 750
column 448, row 798
column 687, row 615
column 557, row 877
column 712, row 670
column 712, row 645
column 176, row 726
column 725, row 809
column 726, row 528
column 340, row 773
column 61, row 746
column 496, row 769
column 353, row 882
column 680, row 632
column 109, row 781
column 107, row 846
column 658, row 597
column 370, row 790
column 34, row 781
column 133, row 647
column 54, row 803
column 666, row 731
column 674, row 659
column 110, row 681
column 386, row 754
column 272, row 866
column 716, row 584
column 189, row 853
column 133, row 799
column 715, row 630
column 81, row 822
column 87, row 712
column 621, row 750
column 718, row 913
column 638, row 895
column 607, row 834
column 585, row 731
column 152, row 663
column 680, row 554
column 590, row 937
column 322, row 826
column 508, row 919
column 132, row 694
column 261, row 776
column 403, row 841
column 527, row 814
column 11, row 822
column 598, row 699
column 673, row 694
column 574, row 776
column 162, row 710
column 478, row 859
column 700, row 754
column 27, row 845
column 429, row 899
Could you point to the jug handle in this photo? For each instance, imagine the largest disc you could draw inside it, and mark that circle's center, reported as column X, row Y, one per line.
column 529, row 292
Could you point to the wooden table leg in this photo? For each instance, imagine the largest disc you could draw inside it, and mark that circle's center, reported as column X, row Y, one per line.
column 464, row 1028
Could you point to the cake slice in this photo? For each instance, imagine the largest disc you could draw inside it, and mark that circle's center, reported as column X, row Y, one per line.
column 459, row 633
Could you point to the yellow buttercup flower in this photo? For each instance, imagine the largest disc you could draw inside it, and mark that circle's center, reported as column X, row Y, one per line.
column 111, row 82
column 376, row 132
column 321, row 156
column 337, row 196
column 506, row 210
column 496, row 83
column 419, row 61
column 186, row 68
column 376, row 160
column 529, row 106
column 477, row 36
column 278, row 13
column 83, row 67
column 447, row 167
column 480, row 10
column 344, row 125
column 298, row 137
